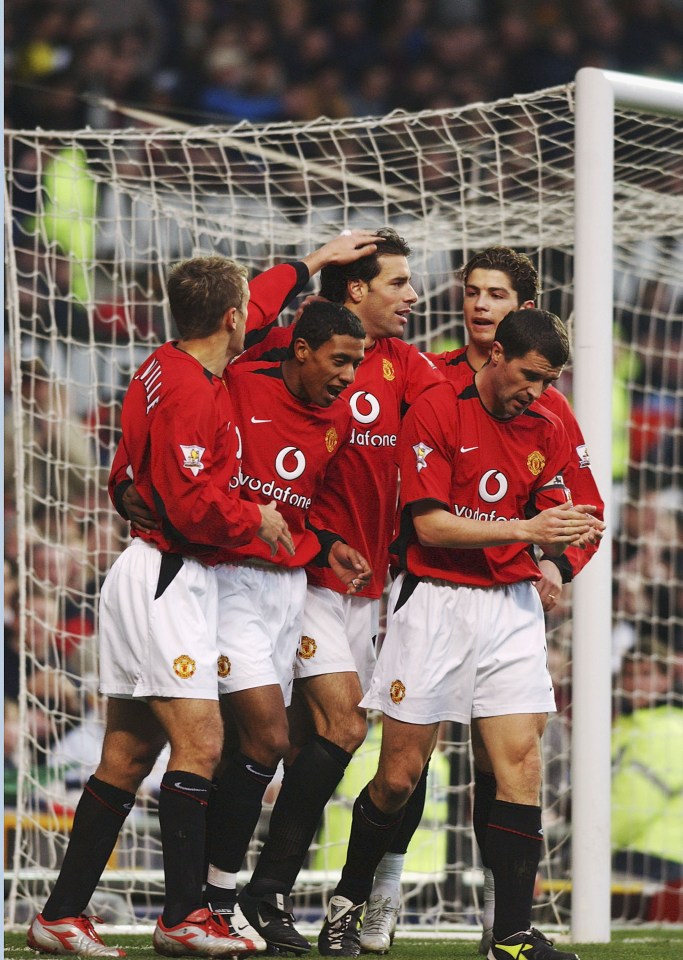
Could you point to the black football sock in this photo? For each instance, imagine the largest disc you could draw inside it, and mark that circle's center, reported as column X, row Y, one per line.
column 234, row 811
column 413, row 811
column 307, row 786
column 513, row 851
column 183, row 801
column 372, row 831
column 484, row 795
column 97, row 823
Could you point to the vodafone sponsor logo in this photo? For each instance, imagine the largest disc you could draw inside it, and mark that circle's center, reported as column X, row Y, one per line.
column 470, row 513
column 271, row 490
column 366, row 410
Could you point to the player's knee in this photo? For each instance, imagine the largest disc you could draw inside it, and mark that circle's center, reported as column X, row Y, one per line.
column 267, row 745
column 347, row 731
column 393, row 787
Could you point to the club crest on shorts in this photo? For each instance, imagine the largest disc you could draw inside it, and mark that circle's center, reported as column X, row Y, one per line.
column 397, row 691
column 184, row 666
column 331, row 439
column 388, row 370
column 224, row 667
column 193, row 457
column 422, row 451
column 307, row 648
column 535, row 462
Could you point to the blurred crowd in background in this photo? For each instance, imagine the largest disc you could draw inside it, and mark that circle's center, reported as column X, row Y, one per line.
column 295, row 60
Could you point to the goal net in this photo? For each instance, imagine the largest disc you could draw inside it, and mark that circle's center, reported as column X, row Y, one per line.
column 93, row 218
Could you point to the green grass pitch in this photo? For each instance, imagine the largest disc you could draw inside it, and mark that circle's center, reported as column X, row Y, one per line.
column 662, row 943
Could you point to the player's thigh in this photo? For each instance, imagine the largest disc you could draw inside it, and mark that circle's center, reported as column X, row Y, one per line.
column 133, row 739
column 333, row 701
column 513, row 746
column 338, row 635
column 195, row 732
column 259, row 716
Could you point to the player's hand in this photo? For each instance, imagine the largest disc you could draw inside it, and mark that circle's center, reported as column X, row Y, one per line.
column 350, row 566
column 274, row 530
column 557, row 527
column 138, row 512
column 550, row 585
column 593, row 536
column 349, row 246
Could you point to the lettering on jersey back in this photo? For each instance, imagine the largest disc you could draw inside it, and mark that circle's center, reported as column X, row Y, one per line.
column 151, row 380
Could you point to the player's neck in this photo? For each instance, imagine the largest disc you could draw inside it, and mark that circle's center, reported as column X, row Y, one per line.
column 212, row 352
column 476, row 355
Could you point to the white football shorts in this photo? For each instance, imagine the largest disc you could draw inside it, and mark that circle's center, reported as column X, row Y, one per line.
column 454, row 652
column 260, row 612
column 338, row 636
column 158, row 626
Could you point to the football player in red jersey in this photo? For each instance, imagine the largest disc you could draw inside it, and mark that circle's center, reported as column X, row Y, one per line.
column 158, row 621
column 496, row 281
column 465, row 638
column 358, row 500
column 293, row 427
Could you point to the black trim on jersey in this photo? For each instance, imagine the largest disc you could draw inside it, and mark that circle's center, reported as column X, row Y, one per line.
column 410, row 582
column 563, row 564
column 325, row 538
column 456, row 361
column 119, row 491
column 171, row 565
column 406, row 532
column 470, row 393
column 275, row 354
column 302, row 277
column 274, row 370
column 167, row 528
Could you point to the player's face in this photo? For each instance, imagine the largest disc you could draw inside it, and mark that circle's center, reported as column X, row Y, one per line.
column 327, row 371
column 518, row 382
column 487, row 298
column 385, row 303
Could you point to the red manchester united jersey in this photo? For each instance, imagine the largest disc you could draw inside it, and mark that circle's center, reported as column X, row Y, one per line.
column 358, row 499
column 287, row 448
column 179, row 445
column 578, row 476
column 455, row 453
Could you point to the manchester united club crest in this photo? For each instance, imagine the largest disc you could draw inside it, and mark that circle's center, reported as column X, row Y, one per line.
column 397, row 691
column 184, row 667
column 307, row 648
column 388, row 370
column 193, row 457
column 224, row 667
column 331, row 439
column 535, row 462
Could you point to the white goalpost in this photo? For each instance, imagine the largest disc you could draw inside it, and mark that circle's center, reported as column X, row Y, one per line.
column 598, row 94
column 587, row 179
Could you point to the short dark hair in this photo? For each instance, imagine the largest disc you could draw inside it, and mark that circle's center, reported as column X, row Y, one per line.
column 518, row 267
column 521, row 331
column 334, row 278
column 200, row 290
column 321, row 320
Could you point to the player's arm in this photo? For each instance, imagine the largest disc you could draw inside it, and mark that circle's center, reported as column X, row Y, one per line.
column 553, row 529
column 584, row 489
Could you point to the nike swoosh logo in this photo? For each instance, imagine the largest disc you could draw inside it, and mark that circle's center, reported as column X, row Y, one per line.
column 256, row 420
column 467, row 449
column 263, row 923
column 181, row 786
column 257, row 773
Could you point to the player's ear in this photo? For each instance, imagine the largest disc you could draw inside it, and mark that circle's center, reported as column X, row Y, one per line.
column 301, row 349
column 527, row 305
column 497, row 353
column 230, row 319
column 354, row 290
